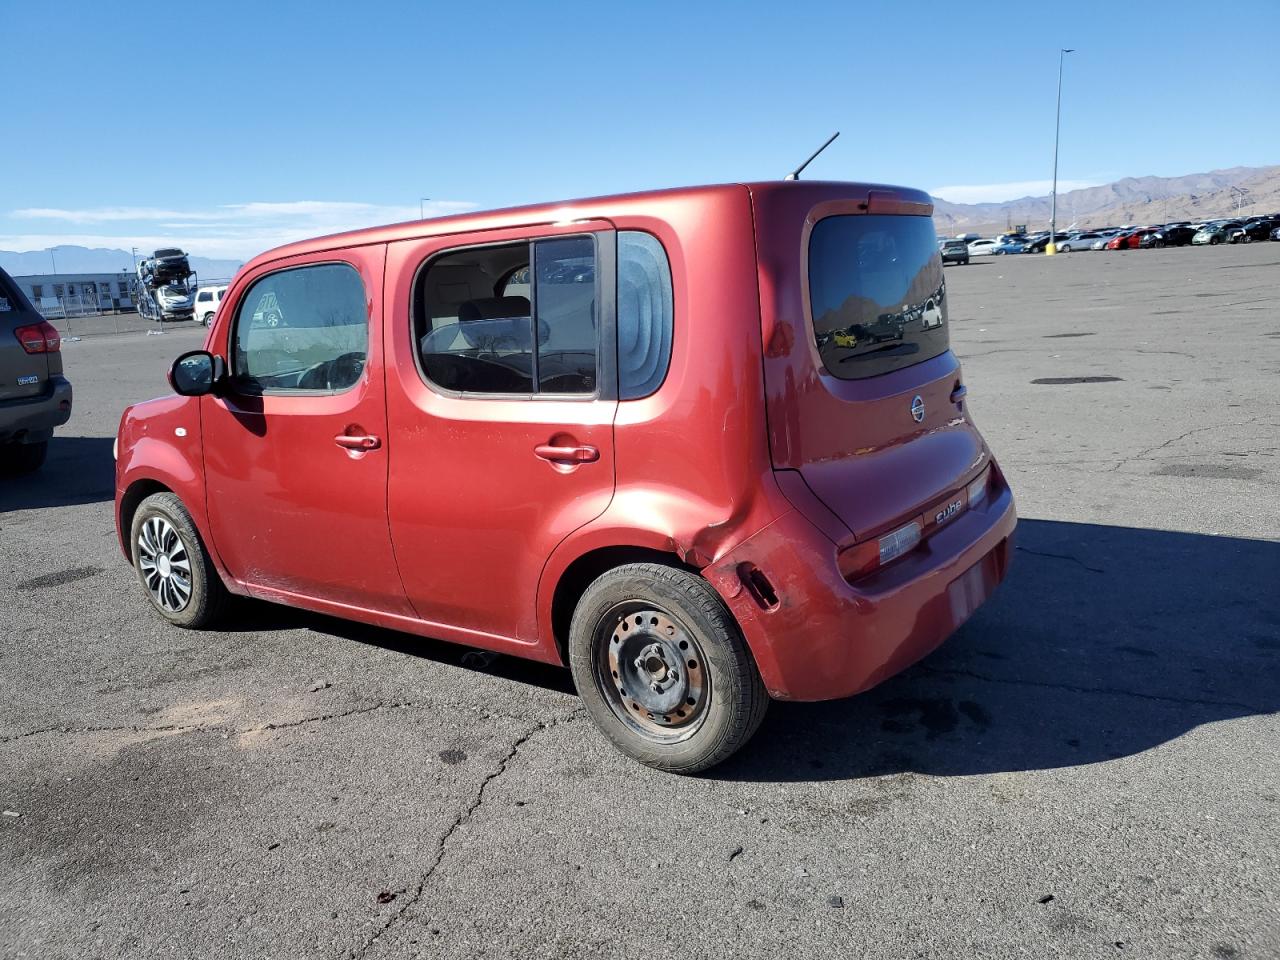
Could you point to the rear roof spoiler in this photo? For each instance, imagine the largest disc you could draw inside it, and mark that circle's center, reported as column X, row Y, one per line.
column 889, row 201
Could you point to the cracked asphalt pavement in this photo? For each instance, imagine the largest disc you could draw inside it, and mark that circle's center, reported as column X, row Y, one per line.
column 1088, row 768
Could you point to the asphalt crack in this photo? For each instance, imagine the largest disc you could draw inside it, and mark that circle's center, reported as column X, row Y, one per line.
column 236, row 731
column 1060, row 556
column 1100, row 691
column 1145, row 454
column 394, row 705
column 124, row 728
column 407, row 903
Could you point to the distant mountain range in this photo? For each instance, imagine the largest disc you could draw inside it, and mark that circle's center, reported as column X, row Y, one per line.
column 71, row 259
column 1139, row 200
column 1248, row 191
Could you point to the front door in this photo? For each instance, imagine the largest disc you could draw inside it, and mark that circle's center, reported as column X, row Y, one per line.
column 502, row 391
column 296, row 445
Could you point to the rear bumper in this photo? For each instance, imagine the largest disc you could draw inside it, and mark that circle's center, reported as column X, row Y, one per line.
column 826, row 638
column 33, row 418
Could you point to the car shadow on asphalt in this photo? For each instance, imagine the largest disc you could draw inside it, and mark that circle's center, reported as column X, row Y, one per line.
column 77, row 470
column 256, row 615
column 1104, row 642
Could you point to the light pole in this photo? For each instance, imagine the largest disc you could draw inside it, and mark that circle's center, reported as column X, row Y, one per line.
column 1052, row 247
column 421, row 214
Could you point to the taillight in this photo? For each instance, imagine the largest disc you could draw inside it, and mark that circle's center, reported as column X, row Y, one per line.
column 42, row 337
column 865, row 558
column 977, row 491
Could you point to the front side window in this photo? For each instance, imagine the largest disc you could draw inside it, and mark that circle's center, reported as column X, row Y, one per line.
column 302, row 329
column 516, row 318
column 876, row 293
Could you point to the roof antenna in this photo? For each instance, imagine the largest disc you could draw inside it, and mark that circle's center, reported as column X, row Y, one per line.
column 795, row 174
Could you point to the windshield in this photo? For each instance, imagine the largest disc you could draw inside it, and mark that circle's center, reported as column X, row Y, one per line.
column 876, row 293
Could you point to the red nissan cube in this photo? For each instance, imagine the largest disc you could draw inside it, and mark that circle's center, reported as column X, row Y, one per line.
column 705, row 446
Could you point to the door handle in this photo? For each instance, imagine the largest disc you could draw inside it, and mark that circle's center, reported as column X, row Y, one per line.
column 357, row 443
column 959, row 393
column 583, row 453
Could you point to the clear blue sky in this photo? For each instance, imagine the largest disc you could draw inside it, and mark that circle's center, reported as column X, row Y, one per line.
column 250, row 122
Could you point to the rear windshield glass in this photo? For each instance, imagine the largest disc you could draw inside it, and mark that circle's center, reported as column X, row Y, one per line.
column 876, row 293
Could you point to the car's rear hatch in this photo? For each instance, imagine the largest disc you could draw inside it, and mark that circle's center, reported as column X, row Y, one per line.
column 22, row 374
column 865, row 398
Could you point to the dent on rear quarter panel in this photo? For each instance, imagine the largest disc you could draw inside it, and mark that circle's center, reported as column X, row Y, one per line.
column 694, row 476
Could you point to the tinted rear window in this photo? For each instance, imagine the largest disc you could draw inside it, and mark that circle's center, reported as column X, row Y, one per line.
column 876, row 293
column 12, row 299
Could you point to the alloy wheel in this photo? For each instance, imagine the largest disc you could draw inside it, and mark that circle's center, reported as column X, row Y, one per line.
column 164, row 564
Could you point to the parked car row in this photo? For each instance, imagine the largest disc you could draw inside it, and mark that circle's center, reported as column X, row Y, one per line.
column 1179, row 234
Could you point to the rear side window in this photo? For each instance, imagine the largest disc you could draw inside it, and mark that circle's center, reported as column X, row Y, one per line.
column 516, row 318
column 303, row 329
column 645, row 315
column 876, row 293
column 11, row 295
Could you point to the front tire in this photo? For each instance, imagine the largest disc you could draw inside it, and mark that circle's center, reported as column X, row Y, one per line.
column 173, row 565
column 662, row 668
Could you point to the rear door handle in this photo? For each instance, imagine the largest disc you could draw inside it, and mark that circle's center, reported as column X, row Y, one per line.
column 959, row 393
column 357, row 443
column 583, row 453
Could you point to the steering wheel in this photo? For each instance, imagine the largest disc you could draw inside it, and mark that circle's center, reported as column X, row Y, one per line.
column 343, row 371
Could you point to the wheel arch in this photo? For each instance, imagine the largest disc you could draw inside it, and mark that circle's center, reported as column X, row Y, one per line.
column 136, row 492
column 579, row 574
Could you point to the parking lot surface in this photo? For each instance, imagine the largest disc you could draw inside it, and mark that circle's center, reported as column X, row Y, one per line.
column 1088, row 768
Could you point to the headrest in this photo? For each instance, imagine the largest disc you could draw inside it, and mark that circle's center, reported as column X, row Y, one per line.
column 493, row 308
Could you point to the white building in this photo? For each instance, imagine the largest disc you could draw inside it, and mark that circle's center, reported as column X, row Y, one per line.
column 74, row 294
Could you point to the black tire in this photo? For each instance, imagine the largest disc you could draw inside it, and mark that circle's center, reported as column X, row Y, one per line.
column 19, row 459
column 207, row 595
column 720, row 700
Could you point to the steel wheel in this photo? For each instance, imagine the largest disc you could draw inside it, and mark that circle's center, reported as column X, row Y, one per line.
column 165, row 564
column 650, row 670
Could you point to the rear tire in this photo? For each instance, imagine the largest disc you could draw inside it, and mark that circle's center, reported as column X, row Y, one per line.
column 20, row 459
column 662, row 668
column 173, row 565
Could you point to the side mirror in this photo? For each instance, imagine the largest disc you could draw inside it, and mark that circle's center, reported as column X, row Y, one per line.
column 196, row 373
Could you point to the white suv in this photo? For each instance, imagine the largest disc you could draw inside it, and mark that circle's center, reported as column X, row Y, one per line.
column 207, row 300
